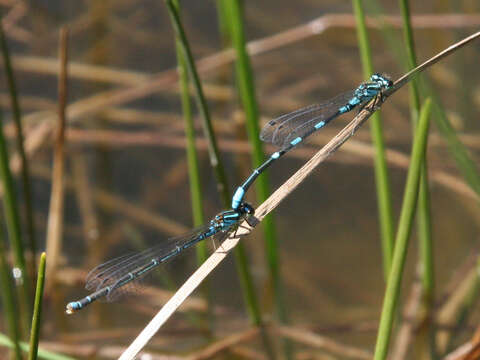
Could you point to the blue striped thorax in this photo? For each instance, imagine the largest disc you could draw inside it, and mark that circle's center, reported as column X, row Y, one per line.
column 226, row 219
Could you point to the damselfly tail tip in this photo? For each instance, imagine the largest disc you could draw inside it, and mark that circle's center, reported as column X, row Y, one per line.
column 71, row 308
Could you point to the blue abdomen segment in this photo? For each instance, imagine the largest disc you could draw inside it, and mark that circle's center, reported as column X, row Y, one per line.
column 237, row 197
column 296, row 141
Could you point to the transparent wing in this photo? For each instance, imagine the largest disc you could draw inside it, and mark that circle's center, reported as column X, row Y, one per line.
column 114, row 272
column 278, row 131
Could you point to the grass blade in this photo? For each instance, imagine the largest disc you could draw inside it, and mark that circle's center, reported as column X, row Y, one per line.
column 192, row 156
column 37, row 309
column 9, row 305
column 213, row 151
column 193, row 167
column 42, row 354
column 382, row 180
column 240, row 255
column 55, row 214
column 392, row 292
column 246, row 86
column 424, row 210
column 13, row 226
column 17, row 120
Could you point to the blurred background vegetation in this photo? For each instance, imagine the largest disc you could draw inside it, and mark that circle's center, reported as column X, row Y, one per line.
column 317, row 269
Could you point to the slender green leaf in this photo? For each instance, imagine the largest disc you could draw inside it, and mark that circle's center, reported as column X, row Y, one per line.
column 246, row 87
column 192, row 156
column 42, row 354
column 13, row 225
column 17, row 120
column 410, row 196
column 10, row 311
column 382, row 181
column 215, row 161
column 192, row 161
column 37, row 309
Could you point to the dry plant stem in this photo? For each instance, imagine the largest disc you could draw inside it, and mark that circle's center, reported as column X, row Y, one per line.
column 467, row 351
column 467, row 268
column 84, row 198
column 224, row 344
column 245, row 352
column 406, row 331
column 55, row 216
column 9, row 23
column 321, row 342
column 15, row 14
column 111, row 75
column 452, row 308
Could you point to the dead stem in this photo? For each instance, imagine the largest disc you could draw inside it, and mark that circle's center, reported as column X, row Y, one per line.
column 224, row 344
column 322, row 342
column 409, row 321
column 55, row 216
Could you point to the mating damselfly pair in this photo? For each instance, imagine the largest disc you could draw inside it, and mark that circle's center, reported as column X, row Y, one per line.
column 113, row 278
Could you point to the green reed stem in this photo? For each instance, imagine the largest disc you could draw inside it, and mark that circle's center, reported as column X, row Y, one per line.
column 17, row 120
column 193, row 167
column 424, row 222
column 37, row 309
column 246, row 86
column 42, row 354
column 411, row 56
column 13, row 226
column 202, row 106
column 192, row 156
column 10, row 311
column 223, row 22
column 424, row 212
column 392, row 292
column 215, row 161
column 382, row 181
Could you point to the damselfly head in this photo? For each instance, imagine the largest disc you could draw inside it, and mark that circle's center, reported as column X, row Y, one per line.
column 383, row 80
column 246, row 208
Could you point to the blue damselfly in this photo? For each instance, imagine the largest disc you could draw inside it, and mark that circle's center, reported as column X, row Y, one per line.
column 117, row 276
column 289, row 130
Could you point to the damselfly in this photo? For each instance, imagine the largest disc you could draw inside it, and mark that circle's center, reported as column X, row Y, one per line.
column 289, row 130
column 111, row 279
